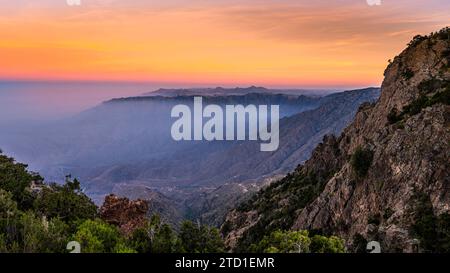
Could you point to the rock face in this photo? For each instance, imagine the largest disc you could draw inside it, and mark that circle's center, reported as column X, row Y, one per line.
column 127, row 215
column 407, row 135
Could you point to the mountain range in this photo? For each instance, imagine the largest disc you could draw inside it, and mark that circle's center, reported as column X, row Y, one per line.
column 385, row 178
column 124, row 146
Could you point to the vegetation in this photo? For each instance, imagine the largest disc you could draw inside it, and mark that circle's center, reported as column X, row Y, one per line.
column 192, row 238
column 15, row 179
column 200, row 239
column 432, row 231
column 278, row 204
column 361, row 161
column 38, row 217
column 66, row 202
column 417, row 40
column 298, row 242
column 407, row 74
column 95, row 236
column 423, row 101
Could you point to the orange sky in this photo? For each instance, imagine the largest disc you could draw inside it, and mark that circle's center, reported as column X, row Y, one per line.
column 272, row 43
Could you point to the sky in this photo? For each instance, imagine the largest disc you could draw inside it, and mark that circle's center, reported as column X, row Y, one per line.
column 273, row 43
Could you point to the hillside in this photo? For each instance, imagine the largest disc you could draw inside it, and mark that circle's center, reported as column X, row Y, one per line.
column 385, row 178
column 124, row 145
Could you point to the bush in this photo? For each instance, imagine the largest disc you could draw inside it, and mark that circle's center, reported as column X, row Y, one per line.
column 424, row 101
column 322, row 244
column 374, row 220
column 359, row 243
column 155, row 238
column 26, row 232
column 200, row 239
column 298, row 242
column 393, row 116
column 361, row 161
column 416, row 40
column 432, row 231
column 407, row 74
column 96, row 236
column 66, row 202
column 430, row 85
column 15, row 179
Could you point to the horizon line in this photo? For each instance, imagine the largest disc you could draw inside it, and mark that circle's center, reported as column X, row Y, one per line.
column 189, row 85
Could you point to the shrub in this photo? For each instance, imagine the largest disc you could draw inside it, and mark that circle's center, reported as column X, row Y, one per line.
column 416, row 40
column 322, row 244
column 200, row 239
column 388, row 213
column 424, row 101
column 15, row 179
column 66, row 202
column 361, row 161
column 374, row 220
column 96, row 236
column 393, row 116
column 407, row 74
column 430, row 85
column 432, row 231
column 359, row 243
column 298, row 242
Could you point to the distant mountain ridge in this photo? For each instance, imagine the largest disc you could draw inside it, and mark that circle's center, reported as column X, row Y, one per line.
column 127, row 141
column 237, row 91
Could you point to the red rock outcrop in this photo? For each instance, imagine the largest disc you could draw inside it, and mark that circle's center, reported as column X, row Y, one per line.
column 126, row 214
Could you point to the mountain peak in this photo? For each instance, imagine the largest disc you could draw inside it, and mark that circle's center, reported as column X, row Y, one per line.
column 383, row 179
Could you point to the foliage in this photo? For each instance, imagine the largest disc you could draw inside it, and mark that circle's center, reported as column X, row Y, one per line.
column 47, row 217
column 361, row 161
column 393, row 116
column 359, row 244
column 423, row 101
column 374, row 219
column 322, row 244
column 417, row 40
column 96, row 236
column 432, row 231
column 155, row 238
column 15, row 179
column 278, row 204
column 200, row 239
column 298, row 242
column 284, row 242
column 407, row 74
column 26, row 232
column 66, row 202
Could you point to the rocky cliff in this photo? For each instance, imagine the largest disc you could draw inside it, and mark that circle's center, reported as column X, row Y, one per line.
column 386, row 178
column 123, row 213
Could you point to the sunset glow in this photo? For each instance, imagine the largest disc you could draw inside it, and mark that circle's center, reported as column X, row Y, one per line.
column 272, row 43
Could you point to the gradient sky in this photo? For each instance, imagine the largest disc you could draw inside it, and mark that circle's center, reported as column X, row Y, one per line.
column 277, row 43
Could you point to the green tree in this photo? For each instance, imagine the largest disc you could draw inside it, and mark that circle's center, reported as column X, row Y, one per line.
column 322, row 244
column 165, row 241
column 361, row 161
column 26, row 232
column 284, row 242
column 298, row 242
column 200, row 239
column 15, row 179
column 155, row 238
column 96, row 236
column 66, row 202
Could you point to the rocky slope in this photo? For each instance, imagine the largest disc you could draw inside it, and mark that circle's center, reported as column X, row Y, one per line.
column 123, row 213
column 385, row 178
